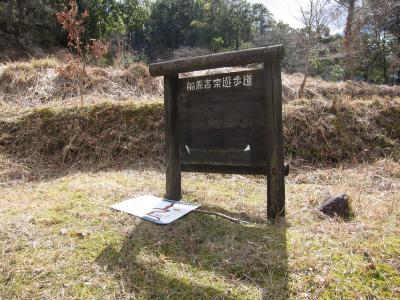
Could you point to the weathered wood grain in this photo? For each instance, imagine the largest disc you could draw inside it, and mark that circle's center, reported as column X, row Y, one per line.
column 228, row 59
column 222, row 169
column 222, row 157
column 274, row 134
column 219, row 125
column 278, row 157
column 173, row 167
column 229, row 110
column 257, row 82
column 226, row 138
column 233, row 128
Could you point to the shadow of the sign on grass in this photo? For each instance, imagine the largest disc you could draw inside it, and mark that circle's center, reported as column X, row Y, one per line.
column 201, row 257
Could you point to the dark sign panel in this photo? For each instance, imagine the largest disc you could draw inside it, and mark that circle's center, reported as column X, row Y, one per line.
column 223, row 119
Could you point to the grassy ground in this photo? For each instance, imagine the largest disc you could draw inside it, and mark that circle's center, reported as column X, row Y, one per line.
column 62, row 165
column 59, row 239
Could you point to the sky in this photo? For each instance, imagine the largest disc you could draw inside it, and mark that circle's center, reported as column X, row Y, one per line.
column 287, row 11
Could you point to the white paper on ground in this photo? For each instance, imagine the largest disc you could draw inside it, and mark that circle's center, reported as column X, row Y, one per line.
column 155, row 209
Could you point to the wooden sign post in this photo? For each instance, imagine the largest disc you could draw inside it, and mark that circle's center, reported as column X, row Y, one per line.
column 226, row 123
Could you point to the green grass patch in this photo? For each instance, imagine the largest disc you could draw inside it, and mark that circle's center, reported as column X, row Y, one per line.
column 60, row 239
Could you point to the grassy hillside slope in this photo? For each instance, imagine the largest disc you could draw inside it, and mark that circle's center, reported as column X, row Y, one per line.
column 63, row 164
column 110, row 134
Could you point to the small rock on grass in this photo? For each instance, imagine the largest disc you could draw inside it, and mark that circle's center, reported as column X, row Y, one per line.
column 337, row 206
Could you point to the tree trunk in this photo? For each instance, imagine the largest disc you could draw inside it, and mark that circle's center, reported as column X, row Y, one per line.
column 20, row 20
column 348, row 37
column 303, row 85
column 306, row 67
column 369, row 70
column 385, row 64
column 82, row 77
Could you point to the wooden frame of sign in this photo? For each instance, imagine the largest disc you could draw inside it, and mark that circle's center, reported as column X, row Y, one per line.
column 226, row 123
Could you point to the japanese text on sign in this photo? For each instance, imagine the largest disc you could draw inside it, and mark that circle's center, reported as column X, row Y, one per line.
column 220, row 83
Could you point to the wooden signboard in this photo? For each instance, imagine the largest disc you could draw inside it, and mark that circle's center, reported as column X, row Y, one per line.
column 226, row 123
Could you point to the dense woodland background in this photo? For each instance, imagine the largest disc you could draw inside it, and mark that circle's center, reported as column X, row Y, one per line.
column 368, row 47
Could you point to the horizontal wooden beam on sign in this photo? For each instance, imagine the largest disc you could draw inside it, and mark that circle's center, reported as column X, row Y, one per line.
column 221, row 169
column 240, row 157
column 224, row 169
column 212, row 61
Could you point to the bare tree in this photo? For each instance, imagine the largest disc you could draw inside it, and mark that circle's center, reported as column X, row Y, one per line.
column 350, row 6
column 316, row 17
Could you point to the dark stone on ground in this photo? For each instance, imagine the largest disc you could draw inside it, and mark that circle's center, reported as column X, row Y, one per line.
column 337, row 206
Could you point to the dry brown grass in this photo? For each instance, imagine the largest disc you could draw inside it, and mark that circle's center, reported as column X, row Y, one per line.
column 59, row 239
column 349, row 130
column 318, row 88
column 99, row 136
column 138, row 75
column 39, row 81
column 63, row 165
column 106, row 134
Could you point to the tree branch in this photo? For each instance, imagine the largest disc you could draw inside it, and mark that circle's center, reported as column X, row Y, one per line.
column 207, row 212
